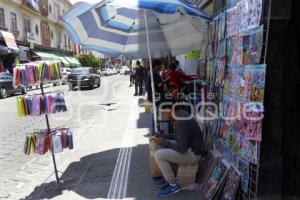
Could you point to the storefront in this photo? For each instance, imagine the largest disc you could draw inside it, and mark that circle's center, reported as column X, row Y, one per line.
column 8, row 51
column 229, row 97
column 73, row 61
column 39, row 55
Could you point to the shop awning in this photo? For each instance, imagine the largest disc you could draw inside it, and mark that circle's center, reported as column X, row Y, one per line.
column 46, row 56
column 51, row 56
column 72, row 60
column 65, row 61
column 10, row 40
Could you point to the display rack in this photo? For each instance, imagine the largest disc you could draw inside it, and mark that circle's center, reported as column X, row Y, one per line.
column 41, row 83
column 49, row 129
column 253, row 168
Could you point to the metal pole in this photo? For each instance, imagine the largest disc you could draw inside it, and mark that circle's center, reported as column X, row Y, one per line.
column 151, row 74
column 52, row 152
column 268, row 28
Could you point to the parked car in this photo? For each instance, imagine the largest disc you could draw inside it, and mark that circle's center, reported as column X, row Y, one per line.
column 83, row 77
column 65, row 73
column 113, row 71
column 103, row 72
column 7, row 88
column 109, row 72
column 125, row 70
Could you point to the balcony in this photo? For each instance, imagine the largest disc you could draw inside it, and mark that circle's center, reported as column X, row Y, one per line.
column 3, row 28
column 33, row 4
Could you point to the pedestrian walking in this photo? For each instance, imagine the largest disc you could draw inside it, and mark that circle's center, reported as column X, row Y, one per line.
column 139, row 79
column 132, row 76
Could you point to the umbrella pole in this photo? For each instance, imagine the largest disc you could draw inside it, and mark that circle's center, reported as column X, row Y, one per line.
column 151, row 74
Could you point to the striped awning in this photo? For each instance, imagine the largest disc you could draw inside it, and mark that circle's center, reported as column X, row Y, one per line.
column 119, row 28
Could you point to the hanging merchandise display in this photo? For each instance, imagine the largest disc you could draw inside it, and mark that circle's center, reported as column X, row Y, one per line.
column 244, row 168
column 235, row 50
column 41, row 142
column 231, row 185
column 36, row 73
column 36, row 105
column 250, row 12
column 221, row 51
column 231, row 71
column 215, row 181
column 252, row 46
column 54, row 140
column 232, row 22
column 220, row 70
column 221, row 24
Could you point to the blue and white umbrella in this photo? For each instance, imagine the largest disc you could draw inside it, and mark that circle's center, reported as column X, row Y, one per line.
column 118, row 27
column 137, row 28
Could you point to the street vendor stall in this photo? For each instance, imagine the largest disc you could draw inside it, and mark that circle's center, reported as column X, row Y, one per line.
column 137, row 29
column 231, row 70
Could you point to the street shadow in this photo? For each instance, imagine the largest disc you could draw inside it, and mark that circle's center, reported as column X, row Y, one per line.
column 93, row 173
column 90, row 177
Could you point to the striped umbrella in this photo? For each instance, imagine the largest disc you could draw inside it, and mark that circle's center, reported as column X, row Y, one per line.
column 137, row 28
column 118, row 27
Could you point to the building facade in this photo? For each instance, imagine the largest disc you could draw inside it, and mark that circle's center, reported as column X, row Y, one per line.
column 36, row 24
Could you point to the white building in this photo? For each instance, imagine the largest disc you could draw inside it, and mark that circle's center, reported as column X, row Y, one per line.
column 36, row 25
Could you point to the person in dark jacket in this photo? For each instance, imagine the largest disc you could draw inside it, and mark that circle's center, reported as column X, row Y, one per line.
column 157, row 65
column 139, row 79
column 186, row 148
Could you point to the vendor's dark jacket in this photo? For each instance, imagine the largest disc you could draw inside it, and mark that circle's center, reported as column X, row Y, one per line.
column 158, row 89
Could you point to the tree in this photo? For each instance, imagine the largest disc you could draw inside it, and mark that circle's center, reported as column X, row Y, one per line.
column 89, row 60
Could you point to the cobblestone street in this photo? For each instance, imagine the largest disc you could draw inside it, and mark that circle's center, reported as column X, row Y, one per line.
column 17, row 169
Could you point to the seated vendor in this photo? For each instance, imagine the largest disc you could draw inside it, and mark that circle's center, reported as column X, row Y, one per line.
column 186, row 148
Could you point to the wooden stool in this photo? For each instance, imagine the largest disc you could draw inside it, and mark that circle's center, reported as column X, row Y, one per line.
column 186, row 175
column 155, row 171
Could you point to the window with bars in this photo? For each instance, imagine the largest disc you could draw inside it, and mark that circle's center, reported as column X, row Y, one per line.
column 26, row 27
column 45, row 33
column 2, row 18
column 14, row 25
column 56, row 11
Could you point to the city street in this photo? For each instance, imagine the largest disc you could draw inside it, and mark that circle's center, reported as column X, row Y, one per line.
column 84, row 111
column 110, row 156
column 213, row 85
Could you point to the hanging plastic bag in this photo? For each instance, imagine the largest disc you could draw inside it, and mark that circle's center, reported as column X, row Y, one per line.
column 56, row 143
column 70, row 139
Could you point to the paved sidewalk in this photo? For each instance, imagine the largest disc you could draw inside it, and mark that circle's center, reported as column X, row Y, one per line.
column 111, row 161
